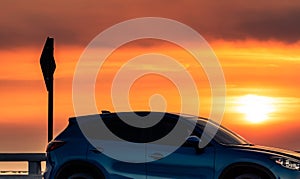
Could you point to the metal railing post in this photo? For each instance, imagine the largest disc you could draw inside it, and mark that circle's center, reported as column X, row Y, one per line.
column 34, row 164
column 34, row 167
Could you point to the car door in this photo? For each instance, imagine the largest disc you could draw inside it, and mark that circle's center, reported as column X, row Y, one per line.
column 183, row 163
column 186, row 162
column 117, row 168
column 126, row 160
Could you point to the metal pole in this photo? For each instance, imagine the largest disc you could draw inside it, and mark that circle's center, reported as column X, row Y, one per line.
column 48, row 66
column 50, row 110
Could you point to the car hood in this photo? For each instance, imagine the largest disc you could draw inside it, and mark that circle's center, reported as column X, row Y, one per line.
column 271, row 150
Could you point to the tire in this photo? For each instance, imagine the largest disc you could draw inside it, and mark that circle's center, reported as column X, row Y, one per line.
column 80, row 176
column 80, row 171
column 246, row 171
column 249, row 176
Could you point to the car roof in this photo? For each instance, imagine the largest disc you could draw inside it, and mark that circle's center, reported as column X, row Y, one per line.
column 107, row 114
column 139, row 113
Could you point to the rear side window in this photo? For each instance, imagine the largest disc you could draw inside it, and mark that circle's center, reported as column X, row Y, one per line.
column 139, row 135
column 123, row 130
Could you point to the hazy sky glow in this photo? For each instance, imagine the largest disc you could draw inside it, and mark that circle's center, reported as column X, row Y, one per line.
column 257, row 43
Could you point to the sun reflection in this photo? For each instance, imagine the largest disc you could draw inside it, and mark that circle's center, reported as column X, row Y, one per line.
column 256, row 109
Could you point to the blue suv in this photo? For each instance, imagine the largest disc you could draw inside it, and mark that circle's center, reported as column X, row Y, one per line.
column 224, row 155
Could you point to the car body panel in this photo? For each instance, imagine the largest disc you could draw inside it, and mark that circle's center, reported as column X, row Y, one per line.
column 185, row 162
column 120, row 168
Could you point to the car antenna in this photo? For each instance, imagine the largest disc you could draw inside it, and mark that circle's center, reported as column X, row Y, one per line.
column 105, row 112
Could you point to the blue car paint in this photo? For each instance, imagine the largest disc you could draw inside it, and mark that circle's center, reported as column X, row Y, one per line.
column 185, row 162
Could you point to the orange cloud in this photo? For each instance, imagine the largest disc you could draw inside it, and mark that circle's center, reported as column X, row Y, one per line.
column 250, row 67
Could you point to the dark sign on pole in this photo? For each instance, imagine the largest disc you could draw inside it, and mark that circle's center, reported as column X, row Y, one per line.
column 47, row 62
column 48, row 67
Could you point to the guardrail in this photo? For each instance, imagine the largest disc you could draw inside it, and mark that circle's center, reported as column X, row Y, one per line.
column 34, row 164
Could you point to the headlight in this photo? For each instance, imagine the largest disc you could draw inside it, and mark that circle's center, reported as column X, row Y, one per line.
column 289, row 163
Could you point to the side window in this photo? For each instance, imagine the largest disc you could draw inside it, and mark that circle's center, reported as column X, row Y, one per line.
column 124, row 131
column 198, row 130
column 161, row 129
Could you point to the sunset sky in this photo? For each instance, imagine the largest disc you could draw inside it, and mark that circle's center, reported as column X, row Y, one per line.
column 257, row 44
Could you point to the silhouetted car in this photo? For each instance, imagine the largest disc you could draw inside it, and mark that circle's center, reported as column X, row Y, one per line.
column 227, row 155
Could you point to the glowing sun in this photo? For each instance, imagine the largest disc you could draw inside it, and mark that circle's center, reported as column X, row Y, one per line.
column 256, row 108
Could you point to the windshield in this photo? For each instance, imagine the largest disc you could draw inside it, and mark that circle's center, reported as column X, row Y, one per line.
column 223, row 135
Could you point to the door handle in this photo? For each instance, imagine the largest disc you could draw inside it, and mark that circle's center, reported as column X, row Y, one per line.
column 156, row 156
column 97, row 150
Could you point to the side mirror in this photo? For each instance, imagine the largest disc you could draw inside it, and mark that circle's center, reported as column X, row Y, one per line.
column 193, row 141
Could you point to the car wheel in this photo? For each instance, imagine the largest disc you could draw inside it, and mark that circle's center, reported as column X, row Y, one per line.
column 247, row 171
column 79, row 170
column 248, row 176
column 80, row 176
